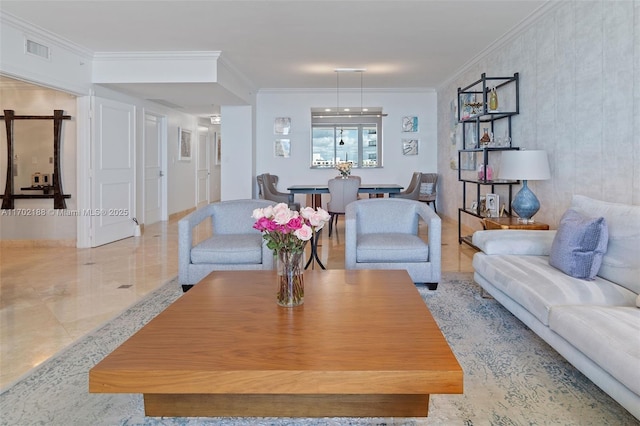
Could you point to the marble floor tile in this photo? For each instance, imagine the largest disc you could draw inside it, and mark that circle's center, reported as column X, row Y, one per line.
column 49, row 297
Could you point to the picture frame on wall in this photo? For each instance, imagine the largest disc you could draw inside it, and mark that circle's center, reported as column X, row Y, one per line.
column 282, row 148
column 217, row 147
column 410, row 146
column 282, row 125
column 184, row 144
column 410, row 124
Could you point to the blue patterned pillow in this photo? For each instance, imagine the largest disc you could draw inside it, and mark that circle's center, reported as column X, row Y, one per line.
column 579, row 245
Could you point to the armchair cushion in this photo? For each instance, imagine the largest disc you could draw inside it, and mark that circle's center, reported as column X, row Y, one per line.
column 391, row 247
column 225, row 248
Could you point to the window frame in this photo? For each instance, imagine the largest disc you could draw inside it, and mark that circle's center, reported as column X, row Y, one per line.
column 361, row 122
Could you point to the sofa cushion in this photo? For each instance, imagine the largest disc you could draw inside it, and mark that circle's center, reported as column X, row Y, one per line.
column 621, row 262
column 395, row 217
column 391, row 247
column 237, row 249
column 609, row 336
column 514, row 241
column 537, row 286
column 579, row 245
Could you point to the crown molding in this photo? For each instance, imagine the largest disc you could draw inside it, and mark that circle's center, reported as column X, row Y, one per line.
column 349, row 90
column 43, row 35
column 159, row 56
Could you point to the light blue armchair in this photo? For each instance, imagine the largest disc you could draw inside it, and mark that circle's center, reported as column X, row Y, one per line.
column 382, row 233
column 233, row 245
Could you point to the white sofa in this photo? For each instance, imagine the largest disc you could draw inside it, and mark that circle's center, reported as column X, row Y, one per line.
column 594, row 324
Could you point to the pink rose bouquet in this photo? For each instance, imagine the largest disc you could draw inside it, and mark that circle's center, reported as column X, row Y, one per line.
column 286, row 229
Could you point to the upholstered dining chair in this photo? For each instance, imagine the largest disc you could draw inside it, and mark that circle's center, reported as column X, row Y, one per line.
column 342, row 192
column 267, row 187
column 428, row 189
column 233, row 244
column 382, row 233
column 413, row 190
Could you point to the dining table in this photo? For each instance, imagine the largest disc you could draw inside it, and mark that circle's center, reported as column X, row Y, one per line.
column 365, row 188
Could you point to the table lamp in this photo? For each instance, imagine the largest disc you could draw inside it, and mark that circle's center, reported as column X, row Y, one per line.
column 525, row 165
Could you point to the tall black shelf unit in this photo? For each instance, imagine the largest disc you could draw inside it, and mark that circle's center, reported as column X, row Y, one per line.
column 473, row 113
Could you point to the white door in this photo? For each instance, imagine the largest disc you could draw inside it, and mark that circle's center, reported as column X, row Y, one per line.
column 202, row 172
column 113, row 171
column 153, row 173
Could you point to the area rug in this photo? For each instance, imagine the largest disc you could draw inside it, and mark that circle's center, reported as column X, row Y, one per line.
column 511, row 377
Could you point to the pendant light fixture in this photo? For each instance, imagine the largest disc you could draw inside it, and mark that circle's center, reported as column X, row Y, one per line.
column 338, row 104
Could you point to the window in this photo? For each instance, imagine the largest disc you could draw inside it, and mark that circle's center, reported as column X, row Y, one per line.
column 337, row 138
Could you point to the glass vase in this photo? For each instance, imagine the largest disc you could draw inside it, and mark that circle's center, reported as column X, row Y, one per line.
column 290, row 268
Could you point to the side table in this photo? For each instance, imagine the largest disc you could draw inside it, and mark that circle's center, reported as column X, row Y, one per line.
column 511, row 222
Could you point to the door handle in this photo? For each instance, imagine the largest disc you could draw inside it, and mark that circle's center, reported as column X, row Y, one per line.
column 161, row 173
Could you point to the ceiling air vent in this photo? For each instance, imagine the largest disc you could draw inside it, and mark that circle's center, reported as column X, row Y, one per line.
column 37, row 49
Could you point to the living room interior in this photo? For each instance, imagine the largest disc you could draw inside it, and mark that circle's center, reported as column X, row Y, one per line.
column 578, row 64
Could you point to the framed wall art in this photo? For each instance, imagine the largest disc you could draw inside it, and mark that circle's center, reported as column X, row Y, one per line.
column 410, row 146
column 282, row 148
column 410, row 124
column 282, row 125
column 218, row 148
column 184, row 144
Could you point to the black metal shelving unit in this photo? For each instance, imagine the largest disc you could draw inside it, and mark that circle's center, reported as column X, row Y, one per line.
column 473, row 112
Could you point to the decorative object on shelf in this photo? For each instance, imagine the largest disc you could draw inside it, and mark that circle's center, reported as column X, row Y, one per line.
column 410, row 146
column 287, row 232
column 525, row 165
column 486, row 138
column 476, row 107
column 485, row 173
column 410, row 124
column 493, row 100
column 493, row 202
column 344, row 168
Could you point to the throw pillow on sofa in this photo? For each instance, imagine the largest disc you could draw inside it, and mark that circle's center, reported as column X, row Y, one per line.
column 579, row 245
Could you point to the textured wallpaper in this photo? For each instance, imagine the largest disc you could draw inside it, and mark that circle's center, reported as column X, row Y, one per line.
column 579, row 65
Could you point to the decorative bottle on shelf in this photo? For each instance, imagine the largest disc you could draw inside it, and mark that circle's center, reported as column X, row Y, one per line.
column 485, row 174
column 485, row 139
column 493, row 100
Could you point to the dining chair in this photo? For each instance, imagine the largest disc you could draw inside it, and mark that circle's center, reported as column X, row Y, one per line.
column 428, row 189
column 413, row 190
column 268, row 182
column 342, row 192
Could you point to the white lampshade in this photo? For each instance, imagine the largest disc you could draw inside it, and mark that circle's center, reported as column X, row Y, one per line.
column 524, row 165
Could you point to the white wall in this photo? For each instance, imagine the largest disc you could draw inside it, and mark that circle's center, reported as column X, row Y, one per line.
column 297, row 105
column 579, row 66
column 238, row 153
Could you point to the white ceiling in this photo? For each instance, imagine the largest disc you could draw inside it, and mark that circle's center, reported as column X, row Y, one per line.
column 290, row 44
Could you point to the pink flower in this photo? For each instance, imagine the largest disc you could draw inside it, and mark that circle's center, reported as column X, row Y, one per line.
column 295, row 223
column 304, row 233
column 282, row 214
column 264, row 224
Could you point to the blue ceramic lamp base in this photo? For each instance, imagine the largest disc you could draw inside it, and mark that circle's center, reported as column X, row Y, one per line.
column 525, row 204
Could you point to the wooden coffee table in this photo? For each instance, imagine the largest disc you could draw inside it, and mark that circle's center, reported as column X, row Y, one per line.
column 363, row 344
